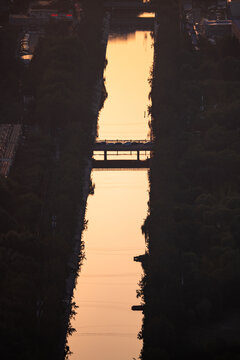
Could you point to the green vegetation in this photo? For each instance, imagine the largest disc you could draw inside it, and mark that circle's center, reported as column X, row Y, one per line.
column 192, row 272
column 40, row 200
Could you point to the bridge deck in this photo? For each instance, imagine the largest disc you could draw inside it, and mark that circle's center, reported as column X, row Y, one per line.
column 123, row 145
column 138, row 23
column 135, row 5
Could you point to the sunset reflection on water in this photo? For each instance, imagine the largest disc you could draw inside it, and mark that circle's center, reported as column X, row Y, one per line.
column 125, row 112
column 106, row 327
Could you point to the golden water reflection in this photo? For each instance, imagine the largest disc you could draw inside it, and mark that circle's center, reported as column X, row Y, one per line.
column 147, row 15
column 125, row 112
column 106, row 327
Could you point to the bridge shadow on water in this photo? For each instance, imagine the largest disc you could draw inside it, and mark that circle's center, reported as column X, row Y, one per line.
column 121, row 164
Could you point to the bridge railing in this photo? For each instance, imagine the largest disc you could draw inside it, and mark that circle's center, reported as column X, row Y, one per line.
column 123, row 141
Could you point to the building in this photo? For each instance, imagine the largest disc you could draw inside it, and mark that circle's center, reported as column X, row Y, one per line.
column 44, row 11
column 19, row 20
column 42, row 15
column 39, row 17
column 216, row 28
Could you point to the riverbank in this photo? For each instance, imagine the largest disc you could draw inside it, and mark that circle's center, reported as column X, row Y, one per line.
column 76, row 257
column 40, row 199
column 104, row 320
column 192, row 271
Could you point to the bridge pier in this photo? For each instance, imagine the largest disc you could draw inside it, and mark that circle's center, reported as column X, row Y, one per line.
column 117, row 146
column 138, row 155
column 105, row 155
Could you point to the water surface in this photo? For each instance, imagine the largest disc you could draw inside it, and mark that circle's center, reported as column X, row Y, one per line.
column 106, row 327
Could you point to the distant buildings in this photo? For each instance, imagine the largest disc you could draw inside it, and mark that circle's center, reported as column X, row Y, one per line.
column 40, row 13
column 19, row 20
column 211, row 21
column 40, row 17
column 216, row 28
column 45, row 15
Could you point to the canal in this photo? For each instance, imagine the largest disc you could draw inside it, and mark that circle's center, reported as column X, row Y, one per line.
column 106, row 328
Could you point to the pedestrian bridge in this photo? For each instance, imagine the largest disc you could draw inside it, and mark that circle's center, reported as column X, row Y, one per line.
column 132, row 23
column 118, row 147
column 129, row 5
